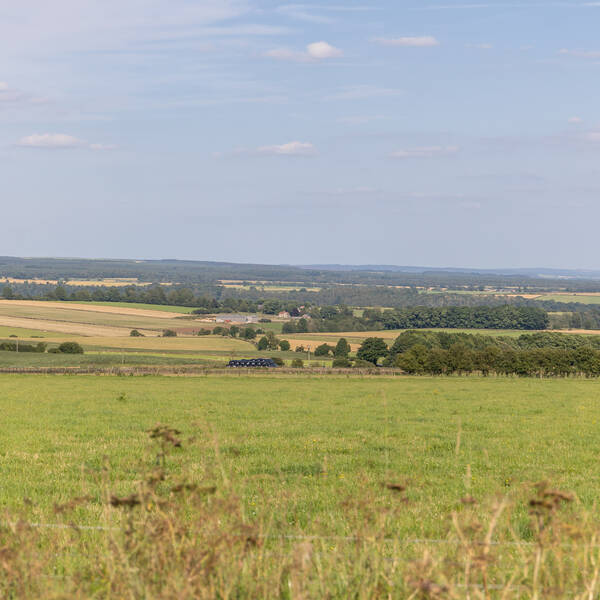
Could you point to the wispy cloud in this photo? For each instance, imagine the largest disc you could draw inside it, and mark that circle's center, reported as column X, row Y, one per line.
column 12, row 96
column 290, row 149
column 314, row 52
column 426, row 152
column 319, row 13
column 360, row 119
column 580, row 53
column 59, row 141
column 426, row 41
column 361, row 92
column 575, row 120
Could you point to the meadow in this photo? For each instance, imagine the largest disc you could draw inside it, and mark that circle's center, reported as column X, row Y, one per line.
column 299, row 486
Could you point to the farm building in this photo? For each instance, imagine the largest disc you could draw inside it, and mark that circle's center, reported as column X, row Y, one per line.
column 236, row 318
column 284, row 314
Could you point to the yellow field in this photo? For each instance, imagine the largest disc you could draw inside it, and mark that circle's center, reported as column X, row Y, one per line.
column 66, row 327
column 117, row 310
column 111, row 282
column 85, row 318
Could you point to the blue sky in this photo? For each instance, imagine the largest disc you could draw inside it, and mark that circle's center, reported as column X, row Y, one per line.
column 398, row 132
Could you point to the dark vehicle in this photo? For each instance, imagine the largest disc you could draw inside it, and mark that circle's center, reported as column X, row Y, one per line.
column 252, row 363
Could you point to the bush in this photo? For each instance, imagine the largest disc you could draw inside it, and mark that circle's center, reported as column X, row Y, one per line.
column 297, row 363
column 278, row 361
column 54, row 351
column 341, row 363
column 70, row 348
column 263, row 344
column 300, row 349
column 284, row 345
column 169, row 333
column 363, row 364
column 204, row 332
column 135, row 333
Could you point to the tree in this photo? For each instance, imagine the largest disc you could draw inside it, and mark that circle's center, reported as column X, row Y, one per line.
column 342, row 349
column 284, row 345
column 249, row 333
column 135, row 333
column 263, row 344
column 372, row 349
column 234, row 330
column 302, row 326
column 323, row 350
column 169, row 333
column 70, row 348
column 7, row 292
column 297, row 363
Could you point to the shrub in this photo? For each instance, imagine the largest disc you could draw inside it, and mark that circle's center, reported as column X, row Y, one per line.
column 300, row 349
column 278, row 361
column 54, row 351
column 341, row 363
column 204, row 332
column 135, row 333
column 263, row 344
column 297, row 363
column 169, row 333
column 284, row 345
column 70, row 348
column 363, row 364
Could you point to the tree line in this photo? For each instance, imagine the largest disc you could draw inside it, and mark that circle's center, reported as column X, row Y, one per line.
column 543, row 354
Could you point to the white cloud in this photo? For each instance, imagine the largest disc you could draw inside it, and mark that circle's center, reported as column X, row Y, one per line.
column 591, row 136
column 426, row 152
column 321, row 50
column 426, row 41
column 58, row 141
column 314, row 52
column 575, row 120
column 36, row 25
column 50, row 141
column 288, row 149
column 580, row 53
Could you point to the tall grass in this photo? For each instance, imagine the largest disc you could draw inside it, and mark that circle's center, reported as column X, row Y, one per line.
column 184, row 531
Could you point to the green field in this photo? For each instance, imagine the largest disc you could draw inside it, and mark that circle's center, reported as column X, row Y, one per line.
column 512, row 430
column 304, row 467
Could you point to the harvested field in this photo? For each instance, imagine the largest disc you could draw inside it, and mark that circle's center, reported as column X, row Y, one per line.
column 65, row 327
column 109, row 308
column 82, row 314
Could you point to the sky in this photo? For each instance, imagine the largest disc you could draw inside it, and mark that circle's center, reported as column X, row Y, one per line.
column 442, row 133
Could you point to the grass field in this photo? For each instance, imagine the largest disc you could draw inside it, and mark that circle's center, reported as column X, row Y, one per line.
column 291, row 458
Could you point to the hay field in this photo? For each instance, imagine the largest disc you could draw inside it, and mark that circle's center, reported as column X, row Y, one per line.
column 64, row 327
column 321, row 485
column 106, row 308
column 84, row 319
